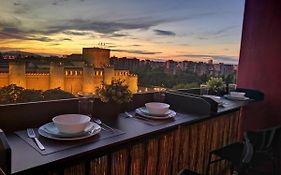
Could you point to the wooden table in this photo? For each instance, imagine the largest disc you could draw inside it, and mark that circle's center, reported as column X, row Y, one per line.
column 143, row 149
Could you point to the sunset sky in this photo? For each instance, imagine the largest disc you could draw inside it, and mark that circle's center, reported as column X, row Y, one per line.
column 154, row 29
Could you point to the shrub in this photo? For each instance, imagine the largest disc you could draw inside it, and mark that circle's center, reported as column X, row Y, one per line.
column 30, row 95
column 57, row 93
column 115, row 92
column 216, row 84
column 10, row 93
column 16, row 94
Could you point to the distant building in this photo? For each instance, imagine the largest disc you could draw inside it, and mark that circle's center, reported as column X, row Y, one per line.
column 170, row 66
column 74, row 76
column 217, row 69
column 227, row 69
column 210, row 61
column 125, row 63
column 200, row 68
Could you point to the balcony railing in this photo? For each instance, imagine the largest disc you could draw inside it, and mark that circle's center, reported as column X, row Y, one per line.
column 143, row 149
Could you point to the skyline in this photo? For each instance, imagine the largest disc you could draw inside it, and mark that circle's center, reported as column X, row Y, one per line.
column 178, row 30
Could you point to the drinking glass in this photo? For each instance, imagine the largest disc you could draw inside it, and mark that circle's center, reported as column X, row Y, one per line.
column 204, row 90
column 159, row 96
column 232, row 87
column 85, row 106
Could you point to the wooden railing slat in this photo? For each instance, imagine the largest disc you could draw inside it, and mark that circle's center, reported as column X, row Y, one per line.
column 150, row 167
column 137, row 159
column 99, row 166
column 119, row 162
column 78, row 169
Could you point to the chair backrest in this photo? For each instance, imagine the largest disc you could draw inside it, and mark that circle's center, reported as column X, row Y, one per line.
column 264, row 139
column 5, row 155
column 248, row 151
column 2, row 172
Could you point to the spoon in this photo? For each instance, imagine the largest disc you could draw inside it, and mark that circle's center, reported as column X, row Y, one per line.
column 99, row 122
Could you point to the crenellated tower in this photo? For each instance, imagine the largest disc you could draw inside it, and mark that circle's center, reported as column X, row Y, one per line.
column 96, row 56
column 17, row 73
column 132, row 82
column 88, row 79
column 56, row 75
column 108, row 74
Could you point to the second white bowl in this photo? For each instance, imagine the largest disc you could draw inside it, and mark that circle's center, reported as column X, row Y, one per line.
column 157, row 108
column 237, row 94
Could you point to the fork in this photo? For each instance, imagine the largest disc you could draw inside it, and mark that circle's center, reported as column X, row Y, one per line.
column 99, row 122
column 128, row 115
column 31, row 134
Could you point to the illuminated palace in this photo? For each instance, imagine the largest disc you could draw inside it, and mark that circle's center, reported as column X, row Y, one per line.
column 84, row 74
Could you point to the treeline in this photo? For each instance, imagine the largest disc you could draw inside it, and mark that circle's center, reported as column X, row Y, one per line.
column 16, row 94
column 149, row 77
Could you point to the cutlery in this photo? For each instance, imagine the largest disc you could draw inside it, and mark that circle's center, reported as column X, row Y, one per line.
column 143, row 118
column 129, row 115
column 99, row 122
column 92, row 131
column 31, row 134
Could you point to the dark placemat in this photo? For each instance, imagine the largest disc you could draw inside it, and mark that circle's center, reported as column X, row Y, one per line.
column 53, row 146
column 152, row 122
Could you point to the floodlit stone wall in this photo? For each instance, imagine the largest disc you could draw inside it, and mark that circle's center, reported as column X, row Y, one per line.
column 37, row 81
column 73, row 83
column 108, row 75
column 57, row 76
column 17, row 73
column 86, row 80
column 132, row 82
column 96, row 56
column 4, row 79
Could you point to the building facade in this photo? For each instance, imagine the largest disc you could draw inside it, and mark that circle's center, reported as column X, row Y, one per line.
column 95, row 72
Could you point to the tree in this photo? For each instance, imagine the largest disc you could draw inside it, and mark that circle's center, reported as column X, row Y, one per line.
column 116, row 92
column 185, row 86
column 230, row 78
column 29, row 95
column 53, row 94
column 16, row 94
column 10, row 93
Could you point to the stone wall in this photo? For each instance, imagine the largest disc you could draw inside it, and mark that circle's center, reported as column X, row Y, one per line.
column 57, row 74
column 17, row 74
column 73, row 80
column 4, row 79
column 73, row 84
column 37, row 81
column 96, row 56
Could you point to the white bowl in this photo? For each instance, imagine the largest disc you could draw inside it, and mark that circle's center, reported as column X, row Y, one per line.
column 237, row 94
column 157, row 108
column 71, row 123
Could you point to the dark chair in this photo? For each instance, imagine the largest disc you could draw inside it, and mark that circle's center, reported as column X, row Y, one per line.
column 187, row 172
column 238, row 154
column 252, row 94
column 2, row 172
column 258, row 148
column 267, row 147
column 5, row 155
